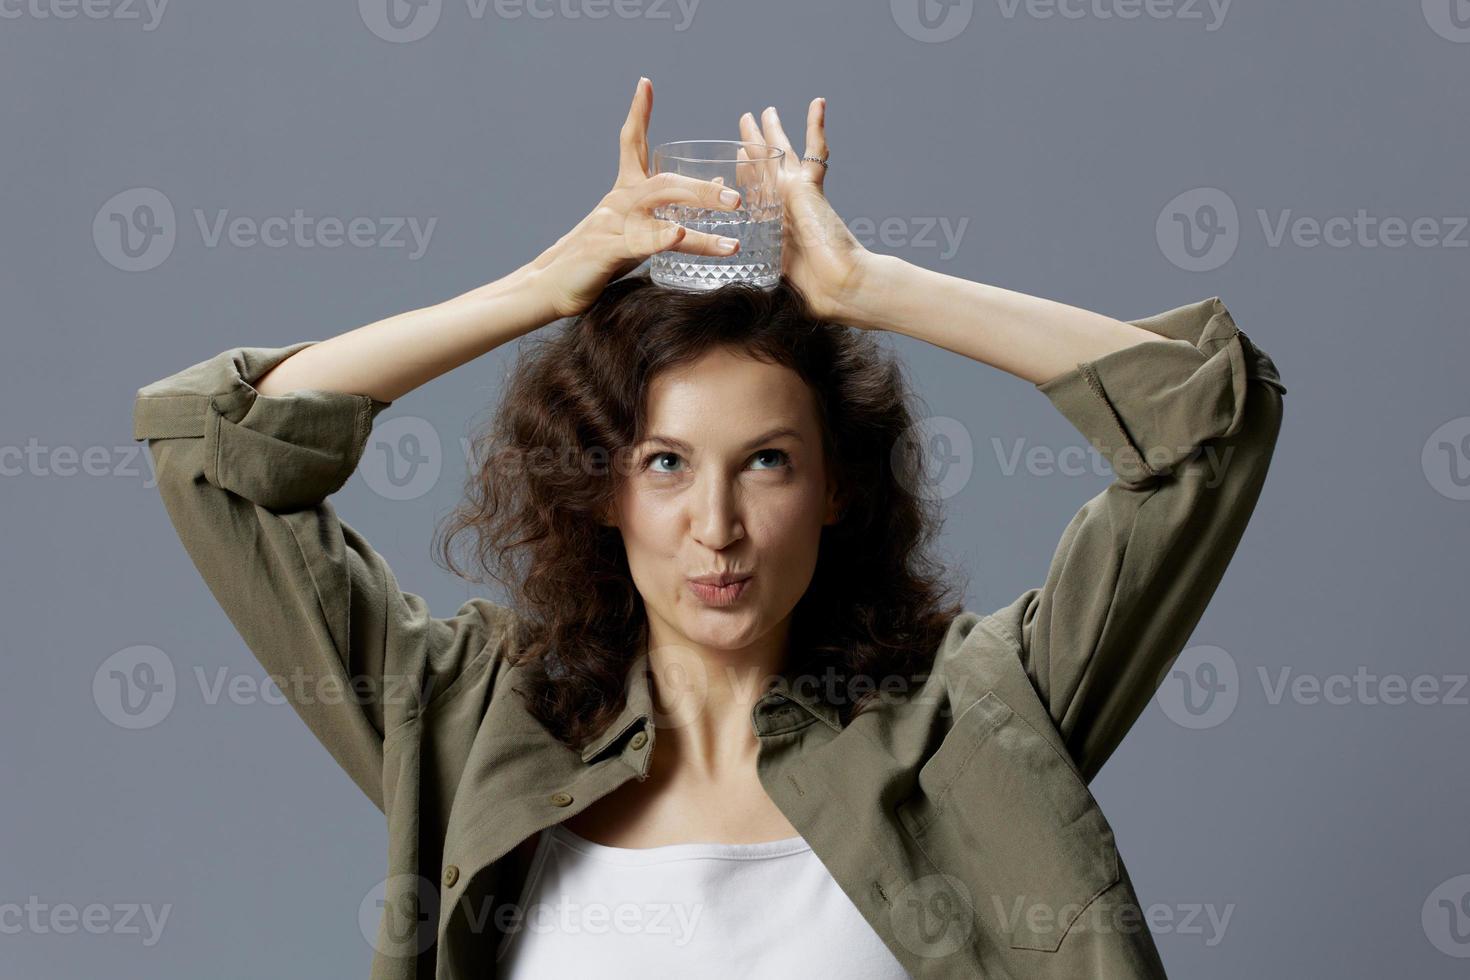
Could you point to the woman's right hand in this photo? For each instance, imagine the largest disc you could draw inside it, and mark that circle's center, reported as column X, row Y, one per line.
column 621, row 231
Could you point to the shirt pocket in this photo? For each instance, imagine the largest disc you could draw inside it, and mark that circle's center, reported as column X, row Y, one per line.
column 999, row 808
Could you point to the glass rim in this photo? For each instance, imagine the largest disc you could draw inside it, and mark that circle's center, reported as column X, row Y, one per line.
column 776, row 153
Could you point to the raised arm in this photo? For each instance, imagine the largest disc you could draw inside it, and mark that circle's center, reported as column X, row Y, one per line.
column 248, row 444
column 1186, row 410
column 1033, row 338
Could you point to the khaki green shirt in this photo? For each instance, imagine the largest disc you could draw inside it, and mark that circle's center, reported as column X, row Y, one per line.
column 957, row 818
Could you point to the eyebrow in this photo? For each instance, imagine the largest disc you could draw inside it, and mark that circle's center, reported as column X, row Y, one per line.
column 768, row 436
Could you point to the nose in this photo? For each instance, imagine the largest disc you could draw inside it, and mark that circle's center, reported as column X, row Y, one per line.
column 715, row 521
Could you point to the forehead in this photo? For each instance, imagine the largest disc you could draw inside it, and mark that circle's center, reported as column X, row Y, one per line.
column 727, row 392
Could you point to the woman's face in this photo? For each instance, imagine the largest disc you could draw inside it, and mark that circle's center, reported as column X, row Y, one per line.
column 731, row 479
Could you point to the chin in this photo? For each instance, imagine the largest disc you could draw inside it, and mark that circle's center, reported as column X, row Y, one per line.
column 739, row 630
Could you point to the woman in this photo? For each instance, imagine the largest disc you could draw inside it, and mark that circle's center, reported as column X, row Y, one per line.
column 732, row 698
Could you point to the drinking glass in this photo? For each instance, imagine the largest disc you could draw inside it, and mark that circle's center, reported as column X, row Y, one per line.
column 750, row 168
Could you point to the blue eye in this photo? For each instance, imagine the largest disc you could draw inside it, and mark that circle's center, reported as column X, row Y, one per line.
column 653, row 456
column 782, row 459
column 785, row 459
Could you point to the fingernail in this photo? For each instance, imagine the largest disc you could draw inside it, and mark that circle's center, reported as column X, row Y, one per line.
column 728, row 244
column 729, row 197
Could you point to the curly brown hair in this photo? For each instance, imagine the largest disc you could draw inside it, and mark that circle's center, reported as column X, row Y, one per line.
column 878, row 603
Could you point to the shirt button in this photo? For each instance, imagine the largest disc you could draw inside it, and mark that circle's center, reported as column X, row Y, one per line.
column 451, row 875
column 638, row 741
column 561, row 799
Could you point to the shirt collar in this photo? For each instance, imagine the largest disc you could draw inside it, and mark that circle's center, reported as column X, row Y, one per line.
column 812, row 697
column 637, row 708
column 638, row 705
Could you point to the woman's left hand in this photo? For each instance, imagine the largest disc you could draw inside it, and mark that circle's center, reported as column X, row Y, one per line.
column 818, row 252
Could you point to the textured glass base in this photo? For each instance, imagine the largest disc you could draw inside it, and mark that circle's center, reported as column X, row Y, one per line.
column 697, row 278
column 758, row 262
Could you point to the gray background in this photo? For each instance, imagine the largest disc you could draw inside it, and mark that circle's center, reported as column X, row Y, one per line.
column 1325, row 830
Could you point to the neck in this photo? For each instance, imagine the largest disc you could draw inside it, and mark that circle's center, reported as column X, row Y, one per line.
column 703, row 695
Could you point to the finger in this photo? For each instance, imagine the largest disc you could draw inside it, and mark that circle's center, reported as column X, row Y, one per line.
column 776, row 136
column 645, row 231
column 633, row 137
column 744, row 171
column 749, row 133
column 704, row 243
column 816, row 141
column 655, row 235
column 672, row 188
column 761, row 171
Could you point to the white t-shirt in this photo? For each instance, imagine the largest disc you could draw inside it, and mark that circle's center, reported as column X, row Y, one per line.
column 713, row 911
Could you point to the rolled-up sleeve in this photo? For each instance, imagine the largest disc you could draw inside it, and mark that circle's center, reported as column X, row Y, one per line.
column 1188, row 423
column 244, row 478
